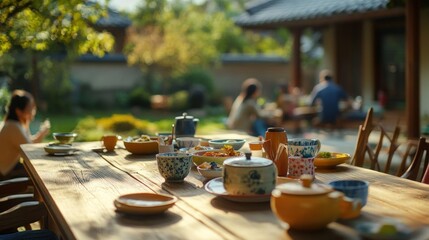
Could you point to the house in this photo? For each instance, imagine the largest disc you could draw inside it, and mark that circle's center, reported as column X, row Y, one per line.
column 372, row 48
column 105, row 79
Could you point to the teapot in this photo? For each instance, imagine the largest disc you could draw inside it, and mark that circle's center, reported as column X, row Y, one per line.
column 249, row 175
column 311, row 206
column 185, row 126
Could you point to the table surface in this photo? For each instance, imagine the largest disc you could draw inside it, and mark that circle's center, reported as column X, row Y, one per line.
column 79, row 191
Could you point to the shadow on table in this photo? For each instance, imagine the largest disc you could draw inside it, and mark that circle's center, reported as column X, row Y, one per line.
column 230, row 206
column 156, row 220
column 182, row 189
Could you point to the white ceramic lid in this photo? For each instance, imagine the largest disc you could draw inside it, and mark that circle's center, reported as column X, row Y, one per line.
column 304, row 187
column 248, row 161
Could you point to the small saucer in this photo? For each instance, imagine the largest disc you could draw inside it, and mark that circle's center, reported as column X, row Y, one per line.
column 215, row 186
column 144, row 203
column 60, row 150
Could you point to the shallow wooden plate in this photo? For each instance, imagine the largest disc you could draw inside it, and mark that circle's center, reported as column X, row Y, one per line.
column 144, row 203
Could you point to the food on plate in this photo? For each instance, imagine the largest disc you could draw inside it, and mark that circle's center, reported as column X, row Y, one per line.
column 142, row 138
column 209, row 165
column 324, row 155
column 226, row 151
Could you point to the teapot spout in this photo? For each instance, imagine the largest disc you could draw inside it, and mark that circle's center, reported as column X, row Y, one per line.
column 350, row 208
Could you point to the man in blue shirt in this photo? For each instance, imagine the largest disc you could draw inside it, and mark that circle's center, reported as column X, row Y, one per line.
column 329, row 95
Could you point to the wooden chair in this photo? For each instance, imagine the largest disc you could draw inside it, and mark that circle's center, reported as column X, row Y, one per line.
column 416, row 170
column 407, row 156
column 18, row 208
column 366, row 151
column 362, row 140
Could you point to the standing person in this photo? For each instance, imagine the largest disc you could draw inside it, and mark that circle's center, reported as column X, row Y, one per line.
column 15, row 130
column 329, row 95
column 246, row 114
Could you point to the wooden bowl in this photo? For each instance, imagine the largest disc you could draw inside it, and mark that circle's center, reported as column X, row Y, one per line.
column 149, row 147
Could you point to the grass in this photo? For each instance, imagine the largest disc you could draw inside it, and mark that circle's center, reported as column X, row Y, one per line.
column 162, row 119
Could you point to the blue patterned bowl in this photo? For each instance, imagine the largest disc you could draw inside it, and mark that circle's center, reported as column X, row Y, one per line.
column 302, row 147
column 356, row 189
column 174, row 167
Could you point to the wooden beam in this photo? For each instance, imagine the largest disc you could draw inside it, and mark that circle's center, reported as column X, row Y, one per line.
column 296, row 58
column 412, row 75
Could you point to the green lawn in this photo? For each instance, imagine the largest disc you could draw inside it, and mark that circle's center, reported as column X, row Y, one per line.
column 163, row 120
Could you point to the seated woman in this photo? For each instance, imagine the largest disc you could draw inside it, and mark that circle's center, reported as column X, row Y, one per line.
column 15, row 130
column 246, row 114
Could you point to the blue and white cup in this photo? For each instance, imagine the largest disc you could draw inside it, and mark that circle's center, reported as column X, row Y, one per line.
column 356, row 189
column 303, row 147
column 174, row 166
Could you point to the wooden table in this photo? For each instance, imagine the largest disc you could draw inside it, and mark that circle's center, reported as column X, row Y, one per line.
column 79, row 191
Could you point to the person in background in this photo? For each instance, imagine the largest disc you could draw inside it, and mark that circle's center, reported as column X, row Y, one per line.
column 328, row 95
column 246, row 114
column 287, row 100
column 15, row 130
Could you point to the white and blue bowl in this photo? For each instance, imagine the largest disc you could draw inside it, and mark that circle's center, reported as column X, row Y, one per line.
column 220, row 143
column 174, row 166
column 356, row 189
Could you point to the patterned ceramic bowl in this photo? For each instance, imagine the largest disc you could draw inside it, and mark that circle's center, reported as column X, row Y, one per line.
column 302, row 147
column 174, row 166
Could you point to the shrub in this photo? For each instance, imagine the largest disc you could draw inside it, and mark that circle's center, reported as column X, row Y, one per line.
column 91, row 129
column 128, row 124
column 178, row 101
column 139, row 97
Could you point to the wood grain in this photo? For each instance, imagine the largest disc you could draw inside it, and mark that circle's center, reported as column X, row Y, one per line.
column 79, row 191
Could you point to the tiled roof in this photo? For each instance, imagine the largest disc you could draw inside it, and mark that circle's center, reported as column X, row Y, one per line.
column 114, row 19
column 276, row 11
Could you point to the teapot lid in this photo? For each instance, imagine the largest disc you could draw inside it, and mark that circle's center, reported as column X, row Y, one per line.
column 304, row 187
column 184, row 116
column 248, row 161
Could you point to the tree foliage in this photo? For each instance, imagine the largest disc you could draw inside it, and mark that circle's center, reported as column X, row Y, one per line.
column 178, row 36
column 46, row 24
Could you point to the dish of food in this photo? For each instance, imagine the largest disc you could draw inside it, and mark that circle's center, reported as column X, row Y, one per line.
column 217, row 155
column 215, row 186
column 210, row 170
column 330, row 159
column 144, row 203
column 141, row 145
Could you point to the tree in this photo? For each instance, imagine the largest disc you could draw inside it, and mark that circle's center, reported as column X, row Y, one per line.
column 181, row 36
column 42, row 36
column 46, row 24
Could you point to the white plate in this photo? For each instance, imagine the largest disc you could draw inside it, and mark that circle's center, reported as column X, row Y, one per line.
column 60, row 150
column 215, row 186
column 144, row 203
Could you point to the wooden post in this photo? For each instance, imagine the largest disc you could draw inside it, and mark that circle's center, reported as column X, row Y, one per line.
column 296, row 58
column 412, row 75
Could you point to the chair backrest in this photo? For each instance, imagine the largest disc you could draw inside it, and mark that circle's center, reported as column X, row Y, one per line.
column 366, row 151
column 407, row 156
column 362, row 139
column 416, row 170
column 426, row 176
